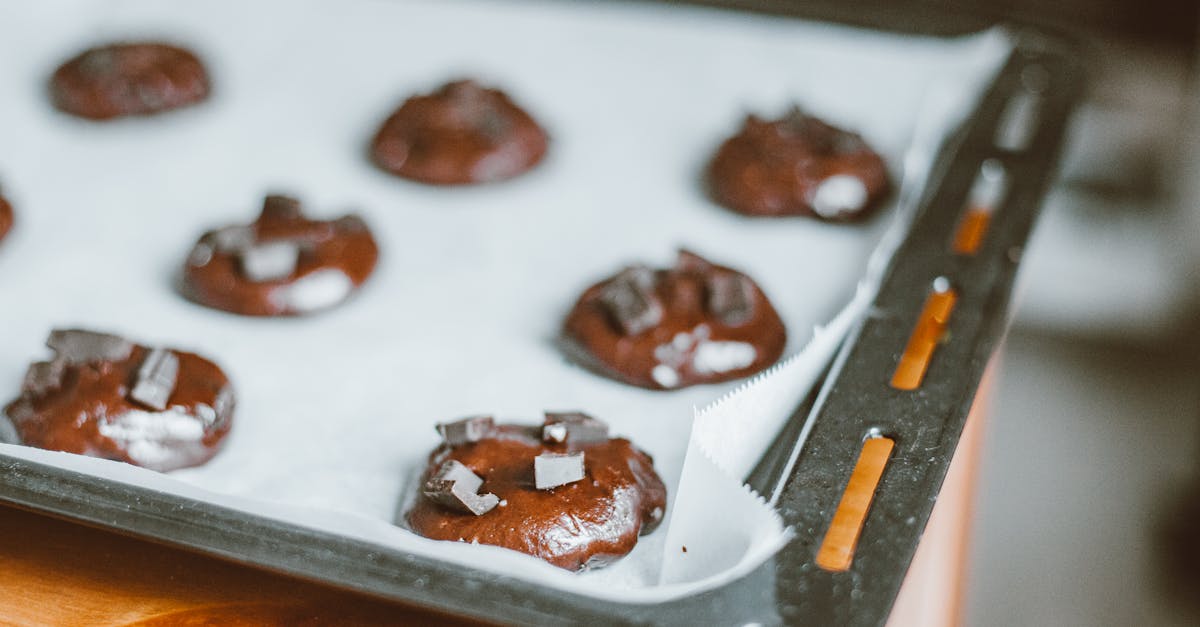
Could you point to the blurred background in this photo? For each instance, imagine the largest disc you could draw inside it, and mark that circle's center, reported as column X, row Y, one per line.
column 1089, row 503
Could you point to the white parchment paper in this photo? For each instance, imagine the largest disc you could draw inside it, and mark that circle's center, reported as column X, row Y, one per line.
column 335, row 412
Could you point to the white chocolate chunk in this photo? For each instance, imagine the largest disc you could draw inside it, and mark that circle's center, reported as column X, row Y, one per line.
column 840, row 193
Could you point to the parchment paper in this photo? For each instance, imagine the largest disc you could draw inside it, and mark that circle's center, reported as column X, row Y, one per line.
column 336, row 412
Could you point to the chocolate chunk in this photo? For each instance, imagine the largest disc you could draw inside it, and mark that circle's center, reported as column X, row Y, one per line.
column 76, row 346
column 231, row 239
column 573, row 428
column 43, row 377
column 688, row 261
column 156, row 379
column 269, row 261
column 456, row 487
column 731, row 298
column 551, row 470
column 631, row 301
column 350, row 223
column 472, row 429
column 280, row 208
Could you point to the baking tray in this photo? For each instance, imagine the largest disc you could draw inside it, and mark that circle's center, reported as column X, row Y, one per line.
column 813, row 456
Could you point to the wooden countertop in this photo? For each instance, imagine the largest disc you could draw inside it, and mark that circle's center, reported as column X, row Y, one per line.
column 56, row 572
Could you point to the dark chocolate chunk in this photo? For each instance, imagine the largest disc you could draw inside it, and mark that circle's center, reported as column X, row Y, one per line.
column 456, row 487
column 631, row 300
column 551, row 470
column 688, row 261
column 467, row 430
column 156, row 379
column 731, row 298
column 76, row 346
column 573, row 428
column 43, row 377
column 350, row 223
column 281, row 208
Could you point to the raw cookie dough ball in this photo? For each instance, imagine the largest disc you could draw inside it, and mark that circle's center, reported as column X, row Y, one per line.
column 282, row 264
column 123, row 79
column 462, row 133
column 697, row 322
column 564, row 492
column 797, row 165
column 104, row 396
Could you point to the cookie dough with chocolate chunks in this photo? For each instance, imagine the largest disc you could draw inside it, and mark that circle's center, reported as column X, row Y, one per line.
column 283, row 264
column 105, row 396
column 462, row 133
column 6, row 217
column 697, row 322
column 124, row 79
column 564, row 492
column 797, row 165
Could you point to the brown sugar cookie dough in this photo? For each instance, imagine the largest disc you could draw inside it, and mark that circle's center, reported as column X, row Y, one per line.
column 104, row 396
column 696, row 322
column 797, row 165
column 283, row 264
column 6, row 217
column 462, row 133
column 564, row 492
column 123, row 79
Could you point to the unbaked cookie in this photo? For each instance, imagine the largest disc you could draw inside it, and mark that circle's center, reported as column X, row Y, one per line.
column 282, row 264
column 104, row 396
column 462, row 133
column 123, row 79
column 696, row 322
column 564, row 491
column 797, row 165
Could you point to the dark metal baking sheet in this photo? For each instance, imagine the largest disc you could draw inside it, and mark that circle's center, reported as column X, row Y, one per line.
column 855, row 396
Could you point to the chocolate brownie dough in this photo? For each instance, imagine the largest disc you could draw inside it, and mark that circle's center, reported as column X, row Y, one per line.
column 697, row 322
column 797, row 165
column 283, row 264
column 122, row 79
column 564, row 492
column 104, row 396
column 462, row 133
column 6, row 218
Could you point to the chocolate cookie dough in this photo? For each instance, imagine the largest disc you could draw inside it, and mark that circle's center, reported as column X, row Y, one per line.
column 697, row 322
column 104, row 396
column 797, row 165
column 121, row 79
column 283, row 264
column 564, row 492
column 6, row 217
column 462, row 133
